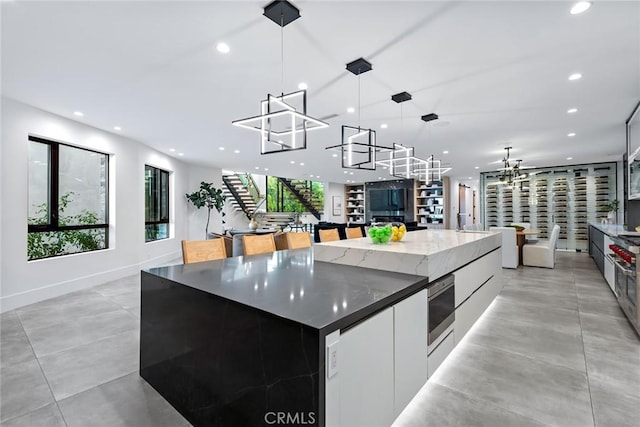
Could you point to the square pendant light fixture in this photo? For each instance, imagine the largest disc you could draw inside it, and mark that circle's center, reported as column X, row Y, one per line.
column 283, row 121
column 358, row 146
column 402, row 162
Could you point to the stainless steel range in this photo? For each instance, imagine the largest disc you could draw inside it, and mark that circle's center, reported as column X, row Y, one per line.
column 626, row 257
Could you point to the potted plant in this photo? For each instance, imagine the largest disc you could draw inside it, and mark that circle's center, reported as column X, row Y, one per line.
column 611, row 207
column 210, row 197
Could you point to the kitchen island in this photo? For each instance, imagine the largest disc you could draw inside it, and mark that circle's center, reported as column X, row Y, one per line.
column 288, row 338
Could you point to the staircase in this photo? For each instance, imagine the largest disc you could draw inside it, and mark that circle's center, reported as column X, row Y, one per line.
column 241, row 193
column 301, row 189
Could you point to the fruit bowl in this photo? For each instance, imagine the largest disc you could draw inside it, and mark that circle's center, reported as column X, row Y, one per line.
column 398, row 230
column 380, row 233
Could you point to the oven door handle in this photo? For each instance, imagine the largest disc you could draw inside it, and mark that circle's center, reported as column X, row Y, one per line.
column 440, row 292
column 627, row 271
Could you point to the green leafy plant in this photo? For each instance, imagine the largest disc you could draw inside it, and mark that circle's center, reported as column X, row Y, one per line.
column 611, row 206
column 54, row 243
column 210, row 197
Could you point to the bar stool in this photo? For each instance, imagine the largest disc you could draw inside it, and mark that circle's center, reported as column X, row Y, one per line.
column 203, row 250
column 354, row 232
column 258, row 244
column 329, row 235
column 292, row 240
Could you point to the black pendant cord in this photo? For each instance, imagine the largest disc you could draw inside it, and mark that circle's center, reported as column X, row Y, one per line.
column 358, row 99
column 282, row 54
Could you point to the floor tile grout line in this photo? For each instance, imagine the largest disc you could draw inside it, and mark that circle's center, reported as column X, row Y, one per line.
column 584, row 350
column 497, row 405
column 53, row 396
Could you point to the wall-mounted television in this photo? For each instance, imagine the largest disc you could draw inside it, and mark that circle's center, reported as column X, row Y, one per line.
column 387, row 200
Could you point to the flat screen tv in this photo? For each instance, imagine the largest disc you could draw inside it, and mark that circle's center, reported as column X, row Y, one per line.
column 387, row 200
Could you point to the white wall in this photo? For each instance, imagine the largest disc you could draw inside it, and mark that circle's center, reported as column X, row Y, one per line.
column 333, row 189
column 23, row 282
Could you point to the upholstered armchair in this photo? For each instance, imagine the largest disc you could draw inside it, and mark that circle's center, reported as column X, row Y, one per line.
column 543, row 253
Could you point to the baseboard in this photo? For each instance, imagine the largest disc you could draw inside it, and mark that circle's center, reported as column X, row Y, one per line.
column 11, row 302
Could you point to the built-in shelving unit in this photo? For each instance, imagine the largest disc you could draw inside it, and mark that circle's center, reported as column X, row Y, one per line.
column 570, row 196
column 432, row 199
column 355, row 206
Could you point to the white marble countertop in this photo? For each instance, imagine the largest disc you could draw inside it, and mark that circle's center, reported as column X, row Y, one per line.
column 431, row 253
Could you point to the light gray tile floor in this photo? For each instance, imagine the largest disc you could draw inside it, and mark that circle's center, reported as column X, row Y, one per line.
column 552, row 350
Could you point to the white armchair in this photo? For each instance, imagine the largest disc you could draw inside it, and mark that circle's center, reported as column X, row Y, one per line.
column 542, row 254
column 509, row 246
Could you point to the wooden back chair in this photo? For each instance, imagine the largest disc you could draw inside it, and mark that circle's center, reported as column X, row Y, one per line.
column 329, row 235
column 354, row 232
column 203, row 250
column 258, row 244
column 293, row 241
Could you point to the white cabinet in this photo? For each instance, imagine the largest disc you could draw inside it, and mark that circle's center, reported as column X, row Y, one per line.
column 473, row 275
column 440, row 353
column 365, row 373
column 468, row 313
column 410, row 348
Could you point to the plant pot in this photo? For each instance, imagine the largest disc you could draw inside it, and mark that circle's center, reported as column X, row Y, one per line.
column 253, row 224
column 611, row 217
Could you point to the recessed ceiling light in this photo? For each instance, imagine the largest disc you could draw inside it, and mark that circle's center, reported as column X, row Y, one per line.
column 569, row 158
column 180, row 154
column 266, row 169
column 222, row 47
column 301, row 164
column 317, row 176
column 477, row 167
column 173, row 150
column 384, row 167
column 445, row 152
column 572, row 110
column 350, row 173
column 221, row 148
column 575, row 76
column 384, row 126
column 346, row 171
column 311, row 175
column 334, row 155
column 257, row 167
column 351, row 110
column 78, row 113
column 236, row 151
column 571, row 134
column 379, row 177
column 117, row 128
column 470, row 177
column 293, row 162
column 580, row 7
column 302, row 86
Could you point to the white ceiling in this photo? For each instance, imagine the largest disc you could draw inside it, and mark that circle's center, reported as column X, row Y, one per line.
column 495, row 72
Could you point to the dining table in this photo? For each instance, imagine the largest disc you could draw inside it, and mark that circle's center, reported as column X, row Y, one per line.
column 521, row 237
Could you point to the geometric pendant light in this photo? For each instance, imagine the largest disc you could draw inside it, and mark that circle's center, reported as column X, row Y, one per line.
column 283, row 121
column 358, row 146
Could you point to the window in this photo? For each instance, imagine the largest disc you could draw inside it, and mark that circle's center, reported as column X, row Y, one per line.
column 68, row 199
column 156, row 203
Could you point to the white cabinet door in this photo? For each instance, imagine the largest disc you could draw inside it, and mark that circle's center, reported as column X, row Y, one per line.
column 410, row 328
column 365, row 372
column 472, row 276
column 469, row 312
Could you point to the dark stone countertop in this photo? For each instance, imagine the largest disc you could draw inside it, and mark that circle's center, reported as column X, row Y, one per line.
column 291, row 285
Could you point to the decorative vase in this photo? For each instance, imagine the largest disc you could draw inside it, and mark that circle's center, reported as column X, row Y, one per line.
column 611, row 217
column 253, row 224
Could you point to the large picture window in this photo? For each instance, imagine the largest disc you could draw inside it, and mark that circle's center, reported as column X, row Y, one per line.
column 68, row 199
column 156, row 203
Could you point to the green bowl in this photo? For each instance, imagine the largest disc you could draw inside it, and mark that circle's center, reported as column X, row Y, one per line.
column 380, row 233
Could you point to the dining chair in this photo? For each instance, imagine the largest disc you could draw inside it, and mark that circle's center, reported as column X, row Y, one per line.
column 203, row 250
column 292, row 240
column 354, row 232
column 509, row 246
column 542, row 254
column 258, row 243
column 329, row 235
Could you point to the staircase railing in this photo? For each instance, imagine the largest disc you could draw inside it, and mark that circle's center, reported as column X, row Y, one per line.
column 236, row 196
column 251, row 186
column 301, row 198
